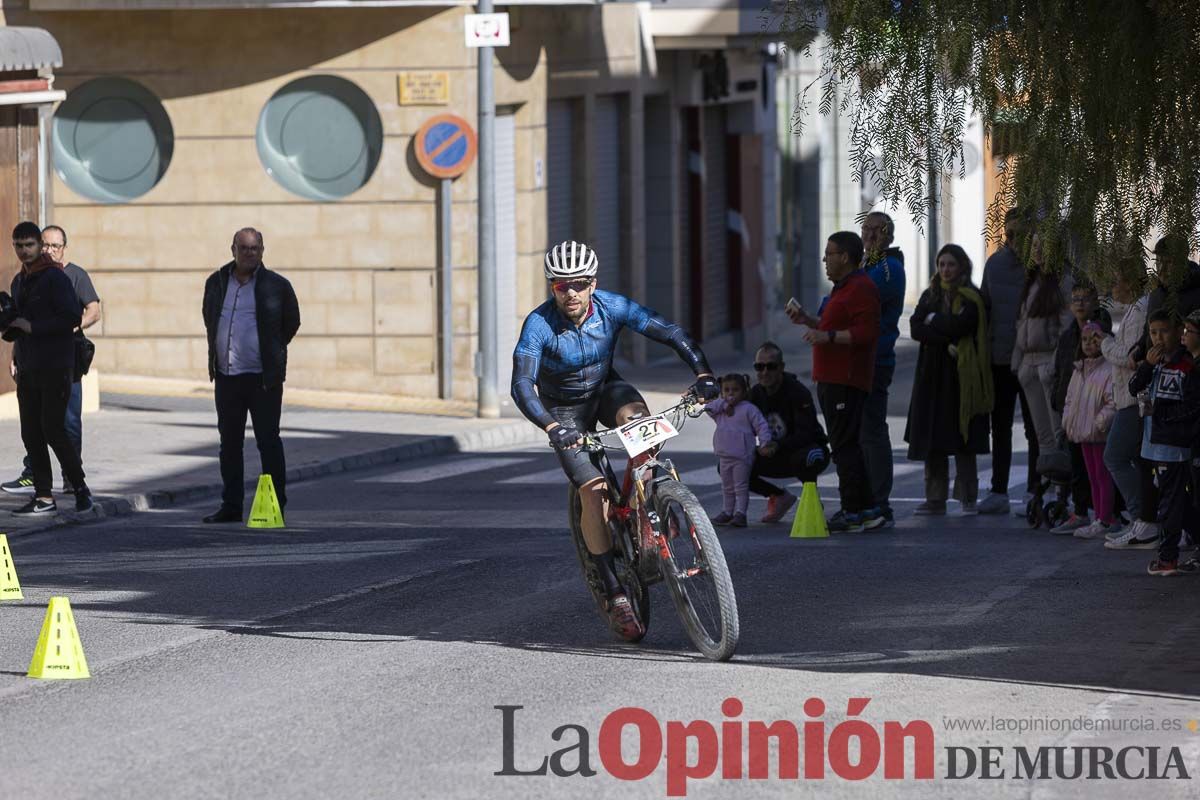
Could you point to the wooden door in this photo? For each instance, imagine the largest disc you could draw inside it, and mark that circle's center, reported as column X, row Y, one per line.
column 18, row 197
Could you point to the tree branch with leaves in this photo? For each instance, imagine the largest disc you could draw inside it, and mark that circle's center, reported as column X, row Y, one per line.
column 1093, row 107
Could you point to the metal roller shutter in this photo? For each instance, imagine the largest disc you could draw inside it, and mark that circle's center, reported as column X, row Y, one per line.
column 716, row 294
column 506, row 247
column 560, row 183
column 607, row 192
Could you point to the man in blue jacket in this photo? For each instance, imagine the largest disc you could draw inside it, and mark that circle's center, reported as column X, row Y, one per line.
column 885, row 266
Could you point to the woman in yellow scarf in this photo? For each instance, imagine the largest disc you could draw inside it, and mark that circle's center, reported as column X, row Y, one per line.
column 952, row 390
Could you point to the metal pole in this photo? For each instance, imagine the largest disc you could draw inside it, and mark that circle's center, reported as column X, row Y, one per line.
column 489, row 401
column 446, row 267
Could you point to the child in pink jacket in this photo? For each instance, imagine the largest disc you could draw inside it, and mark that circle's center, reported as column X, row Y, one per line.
column 739, row 422
column 1087, row 414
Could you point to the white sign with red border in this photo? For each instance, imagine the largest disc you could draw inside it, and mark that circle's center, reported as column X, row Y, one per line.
column 487, row 30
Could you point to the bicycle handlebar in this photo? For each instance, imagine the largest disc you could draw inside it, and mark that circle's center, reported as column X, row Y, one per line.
column 689, row 404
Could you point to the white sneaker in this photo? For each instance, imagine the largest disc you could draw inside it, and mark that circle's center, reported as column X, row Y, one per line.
column 1020, row 511
column 1072, row 524
column 1119, row 530
column 994, row 504
column 1141, row 536
column 1092, row 531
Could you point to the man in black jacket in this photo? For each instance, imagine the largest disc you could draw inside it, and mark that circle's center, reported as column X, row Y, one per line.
column 48, row 313
column 251, row 315
column 800, row 448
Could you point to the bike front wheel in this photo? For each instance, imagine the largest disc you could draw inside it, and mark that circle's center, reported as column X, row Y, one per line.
column 696, row 572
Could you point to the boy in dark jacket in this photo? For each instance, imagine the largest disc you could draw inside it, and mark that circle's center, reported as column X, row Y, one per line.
column 1191, row 341
column 1168, row 378
column 800, row 448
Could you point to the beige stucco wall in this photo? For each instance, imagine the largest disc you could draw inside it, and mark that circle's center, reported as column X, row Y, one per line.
column 364, row 267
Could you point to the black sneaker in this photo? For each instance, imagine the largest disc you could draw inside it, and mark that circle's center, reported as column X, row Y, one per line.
column 22, row 485
column 37, row 506
column 83, row 501
column 872, row 519
column 843, row 522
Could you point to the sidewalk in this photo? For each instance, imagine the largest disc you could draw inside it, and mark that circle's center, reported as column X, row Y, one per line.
column 143, row 452
column 153, row 452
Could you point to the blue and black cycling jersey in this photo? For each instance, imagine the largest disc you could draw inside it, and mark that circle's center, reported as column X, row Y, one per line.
column 568, row 364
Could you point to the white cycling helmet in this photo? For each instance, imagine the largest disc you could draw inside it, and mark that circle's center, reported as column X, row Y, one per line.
column 570, row 260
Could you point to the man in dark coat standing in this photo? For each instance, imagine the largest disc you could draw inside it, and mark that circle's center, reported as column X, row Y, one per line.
column 251, row 315
column 1003, row 281
column 47, row 314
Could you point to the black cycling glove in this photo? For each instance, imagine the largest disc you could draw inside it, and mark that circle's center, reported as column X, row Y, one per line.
column 706, row 388
column 563, row 438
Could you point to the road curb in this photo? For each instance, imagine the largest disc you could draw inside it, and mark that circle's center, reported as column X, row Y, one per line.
column 514, row 432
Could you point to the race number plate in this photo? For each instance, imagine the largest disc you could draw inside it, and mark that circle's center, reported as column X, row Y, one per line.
column 642, row 434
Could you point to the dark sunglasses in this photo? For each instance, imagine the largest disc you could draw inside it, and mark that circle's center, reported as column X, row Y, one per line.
column 770, row 366
column 562, row 287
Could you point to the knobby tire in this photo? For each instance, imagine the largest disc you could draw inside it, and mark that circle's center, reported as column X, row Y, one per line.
column 717, row 644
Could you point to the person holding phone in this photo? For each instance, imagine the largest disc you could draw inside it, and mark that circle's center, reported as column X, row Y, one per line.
column 844, row 335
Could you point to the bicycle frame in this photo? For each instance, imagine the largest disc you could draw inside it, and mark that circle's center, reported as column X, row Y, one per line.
column 634, row 495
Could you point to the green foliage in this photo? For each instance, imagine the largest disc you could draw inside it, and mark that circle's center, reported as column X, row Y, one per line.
column 1096, row 101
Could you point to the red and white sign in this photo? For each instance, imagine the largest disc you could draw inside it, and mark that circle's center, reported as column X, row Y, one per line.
column 487, row 30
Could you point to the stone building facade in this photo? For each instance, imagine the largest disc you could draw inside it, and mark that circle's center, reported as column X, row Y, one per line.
column 656, row 151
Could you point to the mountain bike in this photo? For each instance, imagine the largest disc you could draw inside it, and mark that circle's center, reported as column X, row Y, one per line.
column 660, row 532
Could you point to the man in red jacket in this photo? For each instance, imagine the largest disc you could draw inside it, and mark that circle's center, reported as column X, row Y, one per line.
column 843, row 336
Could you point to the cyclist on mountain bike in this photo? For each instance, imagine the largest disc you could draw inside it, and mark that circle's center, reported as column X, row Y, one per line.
column 563, row 381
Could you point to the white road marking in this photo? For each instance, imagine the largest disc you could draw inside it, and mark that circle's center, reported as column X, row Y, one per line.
column 448, row 469
column 546, row 477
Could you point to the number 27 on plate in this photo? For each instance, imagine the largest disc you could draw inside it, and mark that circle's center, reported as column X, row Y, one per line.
column 642, row 434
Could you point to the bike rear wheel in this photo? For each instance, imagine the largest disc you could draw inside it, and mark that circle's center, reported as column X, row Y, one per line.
column 635, row 590
column 696, row 572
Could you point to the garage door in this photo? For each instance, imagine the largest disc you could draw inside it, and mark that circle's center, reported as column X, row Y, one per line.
column 607, row 192
column 716, row 294
column 560, row 173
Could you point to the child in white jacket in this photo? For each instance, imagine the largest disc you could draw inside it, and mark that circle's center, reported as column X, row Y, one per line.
column 1087, row 415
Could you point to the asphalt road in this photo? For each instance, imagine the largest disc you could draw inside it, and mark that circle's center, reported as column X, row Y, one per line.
column 362, row 651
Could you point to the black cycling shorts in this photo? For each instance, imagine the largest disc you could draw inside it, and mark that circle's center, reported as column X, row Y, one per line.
column 580, row 465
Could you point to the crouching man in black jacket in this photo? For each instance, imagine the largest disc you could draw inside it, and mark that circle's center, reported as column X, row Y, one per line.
column 800, row 448
column 251, row 315
column 48, row 312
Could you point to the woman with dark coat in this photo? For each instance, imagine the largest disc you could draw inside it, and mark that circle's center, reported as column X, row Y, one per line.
column 952, row 390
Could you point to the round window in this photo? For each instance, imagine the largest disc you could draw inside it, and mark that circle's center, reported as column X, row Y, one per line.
column 112, row 140
column 320, row 137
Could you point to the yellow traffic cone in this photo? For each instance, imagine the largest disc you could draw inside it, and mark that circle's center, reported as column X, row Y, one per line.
column 59, row 653
column 809, row 522
column 265, row 513
column 10, row 587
